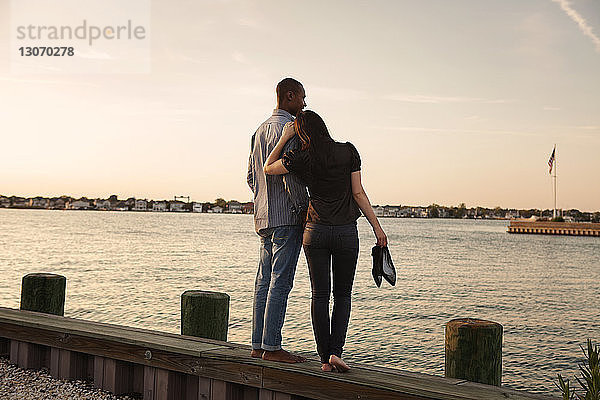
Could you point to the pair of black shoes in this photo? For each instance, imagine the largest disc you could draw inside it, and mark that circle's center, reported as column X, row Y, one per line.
column 383, row 266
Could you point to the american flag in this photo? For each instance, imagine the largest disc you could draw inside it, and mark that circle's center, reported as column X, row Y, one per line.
column 551, row 160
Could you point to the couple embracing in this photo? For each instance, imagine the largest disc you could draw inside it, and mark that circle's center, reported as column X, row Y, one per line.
column 291, row 152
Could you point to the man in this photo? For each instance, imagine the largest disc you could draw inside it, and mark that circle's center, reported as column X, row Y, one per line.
column 278, row 220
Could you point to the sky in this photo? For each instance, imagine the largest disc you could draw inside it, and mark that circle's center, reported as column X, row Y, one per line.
column 446, row 101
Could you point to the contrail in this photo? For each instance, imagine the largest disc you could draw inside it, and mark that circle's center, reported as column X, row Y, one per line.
column 575, row 16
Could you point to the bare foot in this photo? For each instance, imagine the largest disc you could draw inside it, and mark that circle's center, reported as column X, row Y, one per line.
column 326, row 367
column 256, row 353
column 338, row 363
column 282, row 356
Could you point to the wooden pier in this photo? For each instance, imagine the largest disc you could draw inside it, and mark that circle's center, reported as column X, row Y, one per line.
column 554, row 228
column 167, row 366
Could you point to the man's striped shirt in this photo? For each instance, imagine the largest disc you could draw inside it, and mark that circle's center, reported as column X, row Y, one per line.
column 276, row 197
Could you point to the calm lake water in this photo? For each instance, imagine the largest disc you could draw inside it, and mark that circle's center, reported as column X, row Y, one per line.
column 131, row 268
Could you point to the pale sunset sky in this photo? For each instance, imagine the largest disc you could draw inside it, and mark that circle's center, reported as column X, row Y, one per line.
column 446, row 101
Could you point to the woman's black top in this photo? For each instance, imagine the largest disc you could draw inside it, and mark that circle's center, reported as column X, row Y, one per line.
column 328, row 182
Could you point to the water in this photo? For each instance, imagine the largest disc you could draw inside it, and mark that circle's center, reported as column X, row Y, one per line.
column 131, row 268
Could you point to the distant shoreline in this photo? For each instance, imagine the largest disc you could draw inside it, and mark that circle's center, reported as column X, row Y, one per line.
column 222, row 206
column 239, row 213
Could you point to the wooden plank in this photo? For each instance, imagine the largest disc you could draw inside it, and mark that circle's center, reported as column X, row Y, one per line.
column 24, row 354
column 4, row 347
column 137, row 385
column 31, row 356
column 66, row 364
column 14, row 351
column 282, row 396
column 250, row 393
column 191, row 387
column 264, row 394
column 149, row 383
column 176, row 385
column 71, row 326
column 115, row 349
column 235, row 391
column 204, row 388
column 109, row 373
column 218, row 390
column 161, row 384
column 118, row 376
column 45, row 357
column 55, row 362
column 90, row 368
column 99, row 372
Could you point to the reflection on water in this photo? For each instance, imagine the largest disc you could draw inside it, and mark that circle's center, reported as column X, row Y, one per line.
column 131, row 268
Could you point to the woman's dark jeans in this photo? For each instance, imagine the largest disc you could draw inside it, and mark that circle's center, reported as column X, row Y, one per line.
column 330, row 248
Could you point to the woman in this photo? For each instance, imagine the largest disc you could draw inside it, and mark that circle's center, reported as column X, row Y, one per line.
column 331, row 171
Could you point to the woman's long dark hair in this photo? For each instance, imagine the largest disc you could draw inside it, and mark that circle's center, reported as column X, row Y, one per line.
column 315, row 138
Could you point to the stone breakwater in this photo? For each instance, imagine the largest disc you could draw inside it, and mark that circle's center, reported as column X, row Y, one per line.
column 20, row 384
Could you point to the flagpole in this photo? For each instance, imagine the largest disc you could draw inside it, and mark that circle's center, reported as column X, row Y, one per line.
column 555, row 165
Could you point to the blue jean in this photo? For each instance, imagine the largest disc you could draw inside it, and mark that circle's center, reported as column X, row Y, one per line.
column 331, row 250
column 279, row 251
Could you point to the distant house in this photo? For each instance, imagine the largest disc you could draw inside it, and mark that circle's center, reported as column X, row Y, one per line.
column 196, row 207
column 58, row 203
column 248, row 208
column 101, row 204
column 38, row 202
column 120, row 205
column 405, row 212
column 141, row 205
column 379, row 211
column 19, row 202
column 176, row 206
column 421, row 212
column 391, row 211
column 159, row 206
column 234, row 207
column 4, row 202
column 81, row 204
column 216, row 209
column 512, row 214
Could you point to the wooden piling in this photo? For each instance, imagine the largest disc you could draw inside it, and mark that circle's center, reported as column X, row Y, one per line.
column 205, row 314
column 44, row 293
column 474, row 350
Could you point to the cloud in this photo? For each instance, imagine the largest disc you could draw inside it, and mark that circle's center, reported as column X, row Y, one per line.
column 441, row 99
column 581, row 22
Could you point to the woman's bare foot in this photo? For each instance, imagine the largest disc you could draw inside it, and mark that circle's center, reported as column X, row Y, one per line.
column 338, row 363
column 326, row 367
column 256, row 353
column 282, row 356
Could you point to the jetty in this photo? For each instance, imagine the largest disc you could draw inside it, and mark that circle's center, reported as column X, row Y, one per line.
column 554, row 228
column 167, row 366
column 200, row 364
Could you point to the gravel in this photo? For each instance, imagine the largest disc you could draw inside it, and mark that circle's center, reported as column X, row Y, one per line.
column 20, row 384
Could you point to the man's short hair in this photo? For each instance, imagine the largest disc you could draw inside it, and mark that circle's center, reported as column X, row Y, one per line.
column 287, row 85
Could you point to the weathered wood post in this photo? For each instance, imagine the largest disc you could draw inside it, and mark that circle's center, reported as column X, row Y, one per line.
column 474, row 350
column 44, row 293
column 205, row 314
